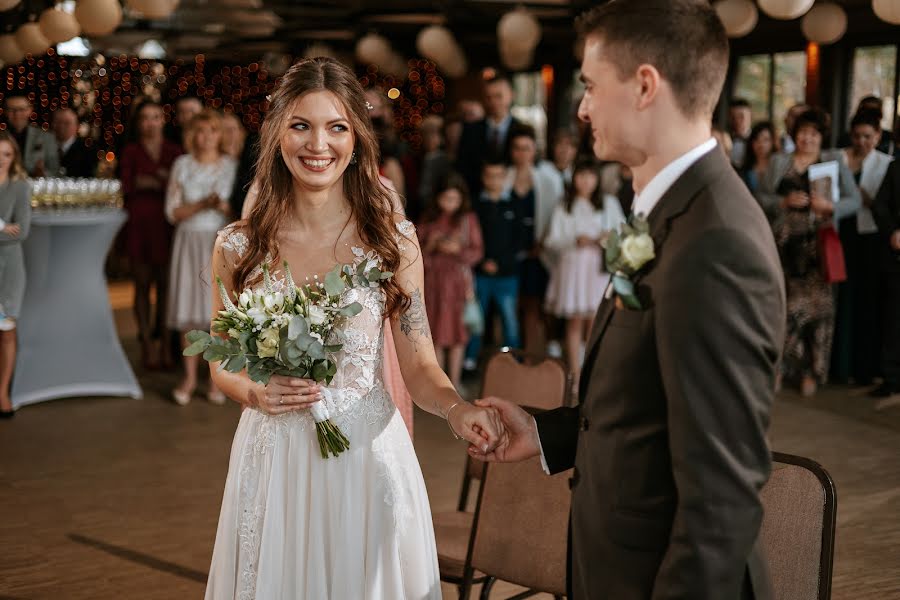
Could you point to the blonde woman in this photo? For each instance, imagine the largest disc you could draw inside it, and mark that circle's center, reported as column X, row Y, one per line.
column 233, row 136
column 15, row 220
column 197, row 204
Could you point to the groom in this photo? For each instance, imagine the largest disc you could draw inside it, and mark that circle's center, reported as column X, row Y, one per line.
column 669, row 440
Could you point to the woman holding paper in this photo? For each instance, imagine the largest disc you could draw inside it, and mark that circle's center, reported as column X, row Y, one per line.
column 800, row 204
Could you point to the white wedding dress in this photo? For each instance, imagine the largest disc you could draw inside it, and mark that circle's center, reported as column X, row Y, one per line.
column 295, row 526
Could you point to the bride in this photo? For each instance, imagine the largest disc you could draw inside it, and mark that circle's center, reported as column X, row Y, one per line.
column 358, row 526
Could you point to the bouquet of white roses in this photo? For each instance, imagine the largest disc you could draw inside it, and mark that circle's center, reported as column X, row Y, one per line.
column 291, row 333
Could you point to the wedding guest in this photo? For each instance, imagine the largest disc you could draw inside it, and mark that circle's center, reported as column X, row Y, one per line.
column 740, row 121
column 40, row 154
column 451, row 245
column 185, row 109
column 565, row 149
column 197, row 204
column 786, row 143
column 468, row 111
column 233, row 136
column 886, row 210
column 578, row 279
column 435, row 166
column 724, row 141
column 857, row 336
column 760, row 148
column 75, row 158
column 537, row 189
column 497, row 275
column 885, row 142
column 488, row 136
column 144, row 171
column 798, row 214
column 15, row 221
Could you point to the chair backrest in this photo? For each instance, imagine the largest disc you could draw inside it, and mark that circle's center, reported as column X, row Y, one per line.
column 540, row 384
column 522, row 526
column 798, row 528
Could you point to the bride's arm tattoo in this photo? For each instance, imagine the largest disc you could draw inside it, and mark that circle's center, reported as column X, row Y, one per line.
column 414, row 322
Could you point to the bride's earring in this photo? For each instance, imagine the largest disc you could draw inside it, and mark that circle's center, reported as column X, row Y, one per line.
column 353, row 158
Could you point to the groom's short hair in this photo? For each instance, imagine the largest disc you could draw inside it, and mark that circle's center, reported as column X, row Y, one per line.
column 683, row 39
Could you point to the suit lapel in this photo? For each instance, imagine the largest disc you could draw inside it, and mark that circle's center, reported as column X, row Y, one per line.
column 673, row 203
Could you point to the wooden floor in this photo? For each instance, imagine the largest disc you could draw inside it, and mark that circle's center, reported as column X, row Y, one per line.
column 118, row 498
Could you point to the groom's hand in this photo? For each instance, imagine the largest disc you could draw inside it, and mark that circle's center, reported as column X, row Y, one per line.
column 520, row 440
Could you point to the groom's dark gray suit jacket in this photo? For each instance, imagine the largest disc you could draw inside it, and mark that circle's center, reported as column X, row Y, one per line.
column 669, row 440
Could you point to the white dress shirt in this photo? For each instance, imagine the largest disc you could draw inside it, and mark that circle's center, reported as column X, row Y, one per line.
column 649, row 197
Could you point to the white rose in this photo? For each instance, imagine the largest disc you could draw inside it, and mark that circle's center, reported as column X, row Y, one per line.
column 258, row 314
column 267, row 344
column 273, row 301
column 317, row 315
column 637, row 250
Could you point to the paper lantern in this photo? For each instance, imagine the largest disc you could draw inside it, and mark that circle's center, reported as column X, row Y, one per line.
column 8, row 4
column 514, row 58
column 58, row 26
column 437, row 43
column 738, row 16
column 10, row 53
column 785, row 9
column 98, row 17
column 153, row 9
column 887, row 10
column 31, row 40
column 825, row 24
column 520, row 27
column 373, row 49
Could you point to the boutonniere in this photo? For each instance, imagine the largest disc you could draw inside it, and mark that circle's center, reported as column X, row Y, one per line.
column 627, row 252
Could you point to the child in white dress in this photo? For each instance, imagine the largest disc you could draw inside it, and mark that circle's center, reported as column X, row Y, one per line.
column 577, row 229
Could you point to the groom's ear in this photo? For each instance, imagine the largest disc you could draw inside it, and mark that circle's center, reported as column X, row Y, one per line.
column 648, row 82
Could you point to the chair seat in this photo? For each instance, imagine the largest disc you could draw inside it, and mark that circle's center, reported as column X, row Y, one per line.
column 452, row 531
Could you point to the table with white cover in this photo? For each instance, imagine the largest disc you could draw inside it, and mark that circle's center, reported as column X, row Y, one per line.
column 68, row 344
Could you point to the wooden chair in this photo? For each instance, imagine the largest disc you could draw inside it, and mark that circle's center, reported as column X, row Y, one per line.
column 519, row 377
column 521, row 528
column 798, row 528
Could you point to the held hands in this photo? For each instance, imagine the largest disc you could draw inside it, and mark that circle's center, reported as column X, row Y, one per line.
column 821, row 206
column 284, row 394
column 583, row 241
column 12, row 229
column 519, row 440
column 480, row 426
column 796, row 199
column 449, row 246
column 489, row 267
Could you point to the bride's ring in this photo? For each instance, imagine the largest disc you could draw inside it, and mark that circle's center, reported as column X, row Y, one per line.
column 281, row 399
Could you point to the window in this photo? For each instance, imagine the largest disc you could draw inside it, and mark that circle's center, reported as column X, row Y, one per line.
column 771, row 83
column 874, row 69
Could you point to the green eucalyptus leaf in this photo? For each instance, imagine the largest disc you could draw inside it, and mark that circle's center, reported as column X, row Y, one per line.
column 319, row 371
column 196, row 335
column 333, row 348
column 334, row 285
column 351, row 310
column 316, row 351
column 198, row 347
column 296, row 327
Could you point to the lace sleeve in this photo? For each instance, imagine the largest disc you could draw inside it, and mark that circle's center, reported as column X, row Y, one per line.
column 405, row 231
column 233, row 242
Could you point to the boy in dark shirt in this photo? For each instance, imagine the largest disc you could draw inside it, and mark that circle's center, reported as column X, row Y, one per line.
column 496, row 277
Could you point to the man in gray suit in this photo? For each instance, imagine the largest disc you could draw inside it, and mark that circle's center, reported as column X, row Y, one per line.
column 40, row 154
column 669, row 440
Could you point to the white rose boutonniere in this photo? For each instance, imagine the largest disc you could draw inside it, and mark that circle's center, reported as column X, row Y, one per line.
column 626, row 253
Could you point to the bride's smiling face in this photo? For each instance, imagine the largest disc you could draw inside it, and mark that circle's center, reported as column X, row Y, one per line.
column 317, row 142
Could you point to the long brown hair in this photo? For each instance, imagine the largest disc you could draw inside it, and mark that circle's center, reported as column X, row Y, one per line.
column 16, row 169
column 370, row 202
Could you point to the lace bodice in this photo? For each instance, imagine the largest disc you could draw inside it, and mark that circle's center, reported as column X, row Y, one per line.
column 357, row 389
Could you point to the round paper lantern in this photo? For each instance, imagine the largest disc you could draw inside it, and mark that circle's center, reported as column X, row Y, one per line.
column 785, row 9
column 10, row 53
column 31, row 40
column 8, row 4
column 437, row 43
column 738, row 16
column 887, row 10
column 519, row 26
column 374, row 49
column 58, row 25
column 825, row 23
column 153, row 9
column 514, row 58
column 98, row 17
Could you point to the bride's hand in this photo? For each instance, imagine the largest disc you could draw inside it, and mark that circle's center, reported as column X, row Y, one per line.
column 481, row 427
column 284, row 394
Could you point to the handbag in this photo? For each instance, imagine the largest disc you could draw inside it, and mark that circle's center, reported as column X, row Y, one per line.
column 472, row 317
column 831, row 255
